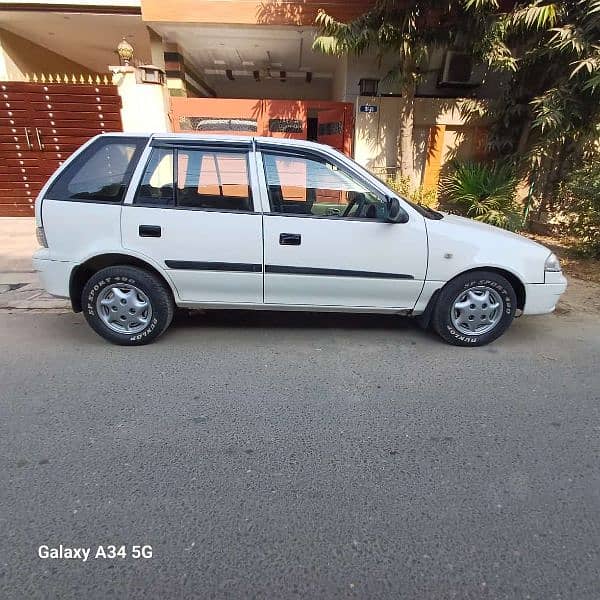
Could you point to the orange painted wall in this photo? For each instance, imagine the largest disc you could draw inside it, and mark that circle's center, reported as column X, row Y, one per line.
column 250, row 12
column 261, row 111
column 433, row 161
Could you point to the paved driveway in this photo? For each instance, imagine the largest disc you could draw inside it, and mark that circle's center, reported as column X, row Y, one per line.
column 282, row 456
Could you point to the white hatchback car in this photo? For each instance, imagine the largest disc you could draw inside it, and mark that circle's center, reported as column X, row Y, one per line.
column 134, row 225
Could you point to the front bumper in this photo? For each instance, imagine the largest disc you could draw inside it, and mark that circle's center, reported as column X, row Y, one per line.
column 55, row 274
column 542, row 298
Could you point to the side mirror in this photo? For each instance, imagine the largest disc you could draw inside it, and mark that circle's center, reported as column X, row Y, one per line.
column 394, row 212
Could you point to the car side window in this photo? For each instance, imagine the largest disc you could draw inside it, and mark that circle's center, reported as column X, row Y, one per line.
column 196, row 178
column 156, row 187
column 307, row 185
column 101, row 173
column 213, row 179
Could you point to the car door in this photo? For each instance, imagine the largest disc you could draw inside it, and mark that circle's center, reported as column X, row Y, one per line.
column 193, row 214
column 326, row 240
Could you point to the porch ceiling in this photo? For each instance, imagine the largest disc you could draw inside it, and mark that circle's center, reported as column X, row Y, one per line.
column 243, row 49
column 88, row 39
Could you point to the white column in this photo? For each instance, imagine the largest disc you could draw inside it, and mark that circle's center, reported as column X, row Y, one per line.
column 3, row 61
column 145, row 105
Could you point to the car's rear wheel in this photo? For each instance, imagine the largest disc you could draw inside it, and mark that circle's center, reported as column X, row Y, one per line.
column 474, row 309
column 127, row 305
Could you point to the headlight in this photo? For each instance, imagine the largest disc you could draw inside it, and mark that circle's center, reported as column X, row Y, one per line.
column 552, row 264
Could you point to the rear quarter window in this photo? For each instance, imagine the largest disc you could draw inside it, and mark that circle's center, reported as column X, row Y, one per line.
column 101, row 173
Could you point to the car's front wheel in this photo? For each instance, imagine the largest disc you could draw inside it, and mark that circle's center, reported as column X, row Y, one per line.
column 474, row 309
column 127, row 305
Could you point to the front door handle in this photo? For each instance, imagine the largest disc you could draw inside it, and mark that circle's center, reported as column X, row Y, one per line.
column 150, row 231
column 290, row 239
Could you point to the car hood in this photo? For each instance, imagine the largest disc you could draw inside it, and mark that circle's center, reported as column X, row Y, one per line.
column 495, row 233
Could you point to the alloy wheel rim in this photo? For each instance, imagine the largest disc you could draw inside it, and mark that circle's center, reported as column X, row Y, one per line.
column 477, row 310
column 124, row 308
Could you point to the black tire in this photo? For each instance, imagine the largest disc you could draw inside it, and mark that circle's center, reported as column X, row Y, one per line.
column 442, row 314
column 157, row 292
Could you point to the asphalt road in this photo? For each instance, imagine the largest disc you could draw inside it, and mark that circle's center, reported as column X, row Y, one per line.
column 309, row 456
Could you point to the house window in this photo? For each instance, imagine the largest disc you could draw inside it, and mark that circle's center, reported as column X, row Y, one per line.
column 222, row 124
column 334, row 128
column 286, row 126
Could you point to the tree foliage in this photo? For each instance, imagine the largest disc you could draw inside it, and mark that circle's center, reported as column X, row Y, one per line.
column 579, row 211
column 484, row 192
column 405, row 187
column 548, row 118
column 405, row 31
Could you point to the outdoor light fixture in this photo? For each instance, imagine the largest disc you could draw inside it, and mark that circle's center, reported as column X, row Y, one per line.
column 282, row 76
column 368, row 87
column 151, row 74
column 125, row 51
column 308, row 77
column 229, row 74
column 256, row 75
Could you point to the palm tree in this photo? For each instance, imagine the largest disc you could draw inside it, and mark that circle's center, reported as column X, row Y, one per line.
column 407, row 31
column 484, row 192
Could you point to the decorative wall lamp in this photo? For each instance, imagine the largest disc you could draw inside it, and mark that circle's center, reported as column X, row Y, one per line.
column 151, row 74
column 125, row 52
column 368, row 87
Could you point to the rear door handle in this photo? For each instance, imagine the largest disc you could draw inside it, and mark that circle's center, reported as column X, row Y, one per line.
column 290, row 239
column 150, row 231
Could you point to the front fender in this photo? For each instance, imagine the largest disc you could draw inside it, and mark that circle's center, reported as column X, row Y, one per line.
column 457, row 245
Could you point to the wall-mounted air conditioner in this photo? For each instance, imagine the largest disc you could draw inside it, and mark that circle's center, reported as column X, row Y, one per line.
column 458, row 70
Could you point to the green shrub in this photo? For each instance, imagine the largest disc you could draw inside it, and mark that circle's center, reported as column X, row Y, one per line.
column 404, row 187
column 579, row 215
column 484, row 192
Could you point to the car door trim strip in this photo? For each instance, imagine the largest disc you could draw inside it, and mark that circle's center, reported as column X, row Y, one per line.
column 333, row 272
column 194, row 265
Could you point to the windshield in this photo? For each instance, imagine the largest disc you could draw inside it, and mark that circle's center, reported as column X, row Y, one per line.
column 424, row 210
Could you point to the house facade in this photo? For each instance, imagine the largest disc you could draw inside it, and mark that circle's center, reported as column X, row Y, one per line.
column 244, row 66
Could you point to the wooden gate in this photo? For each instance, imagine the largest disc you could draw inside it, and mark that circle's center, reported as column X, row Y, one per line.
column 41, row 124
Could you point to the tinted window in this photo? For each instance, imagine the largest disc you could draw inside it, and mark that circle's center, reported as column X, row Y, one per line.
column 157, row 187
column 213, row 179
column 101, row 173
column 313, row 186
